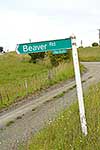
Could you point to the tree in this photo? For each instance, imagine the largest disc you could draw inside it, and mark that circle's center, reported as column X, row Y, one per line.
column 94, row 44
column 1, row 49
column 56, row 59
column 36, row 56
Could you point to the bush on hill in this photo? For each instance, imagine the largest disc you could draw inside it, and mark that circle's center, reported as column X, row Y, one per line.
column 94, row 44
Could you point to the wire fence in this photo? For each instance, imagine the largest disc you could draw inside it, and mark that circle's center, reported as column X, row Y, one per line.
column 13, row 92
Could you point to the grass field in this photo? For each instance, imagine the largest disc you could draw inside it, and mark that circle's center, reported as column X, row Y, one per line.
column 15, row 67
column 65, row 132
column 19, row 78
column 89, row 54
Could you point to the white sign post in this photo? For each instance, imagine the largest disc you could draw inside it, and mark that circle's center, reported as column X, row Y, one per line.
column 79, row 86
column 58, row 47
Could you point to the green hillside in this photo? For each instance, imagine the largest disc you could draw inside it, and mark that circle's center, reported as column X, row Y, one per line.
column 20, row 78
column 89, row 54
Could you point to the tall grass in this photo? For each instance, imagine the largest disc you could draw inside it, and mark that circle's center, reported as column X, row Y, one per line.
column 19, row 78
column 65, row 132
column 15, row 77
column 11, row 92
column 15, row 67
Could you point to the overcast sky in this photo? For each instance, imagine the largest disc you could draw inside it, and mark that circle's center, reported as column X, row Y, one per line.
column 21, row 20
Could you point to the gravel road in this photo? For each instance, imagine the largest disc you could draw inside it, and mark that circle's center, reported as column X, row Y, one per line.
column 16, row 125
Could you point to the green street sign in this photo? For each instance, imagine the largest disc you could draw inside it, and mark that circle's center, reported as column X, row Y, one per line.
column 61, row 51
column 44, row 46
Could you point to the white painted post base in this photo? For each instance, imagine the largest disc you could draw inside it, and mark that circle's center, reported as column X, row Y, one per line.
column 79, row 86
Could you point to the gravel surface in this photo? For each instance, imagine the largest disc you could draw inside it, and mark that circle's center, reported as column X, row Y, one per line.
column 40, row 110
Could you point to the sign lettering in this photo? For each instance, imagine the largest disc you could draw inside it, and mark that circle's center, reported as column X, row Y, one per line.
column 44, row 46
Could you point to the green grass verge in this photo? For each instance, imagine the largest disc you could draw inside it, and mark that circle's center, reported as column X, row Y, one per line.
column 89, row 54
column 65, row 132
column 15, row 67
column 19, row 78
column 16, row 76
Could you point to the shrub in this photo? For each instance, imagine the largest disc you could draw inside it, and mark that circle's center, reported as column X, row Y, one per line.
column 36, row 56
column 1, row 49
column 58, row 58
column 94, row 44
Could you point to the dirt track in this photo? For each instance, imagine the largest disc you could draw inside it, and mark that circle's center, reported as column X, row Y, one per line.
column 32, row 116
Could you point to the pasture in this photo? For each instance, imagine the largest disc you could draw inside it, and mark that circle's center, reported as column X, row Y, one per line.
column 20, row 78
column 89, row 54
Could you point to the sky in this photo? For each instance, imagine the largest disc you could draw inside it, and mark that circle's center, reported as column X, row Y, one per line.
column 22, row 20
